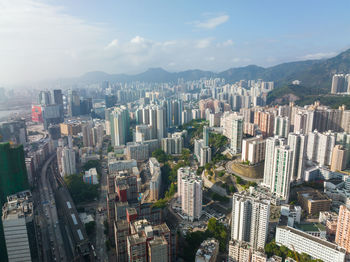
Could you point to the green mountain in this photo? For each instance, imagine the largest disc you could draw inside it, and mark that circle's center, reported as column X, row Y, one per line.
column 312, row 73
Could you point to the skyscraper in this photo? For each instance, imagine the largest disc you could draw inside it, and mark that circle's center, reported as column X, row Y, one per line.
column 297, row 143
column 161, row 122
column 73, row 103
column 320, row 146
column 190, row 192
column 338, row 84
column 86, row 129
column 233, row 129
column 342, row 236
column 206, row 136
column 119, row 124
column 339, row 155
column 250, row 220
column 281, row 126
column 13, row 177
column 271, row 144
column 13, row 174
column 68, row 162
column 282, row 171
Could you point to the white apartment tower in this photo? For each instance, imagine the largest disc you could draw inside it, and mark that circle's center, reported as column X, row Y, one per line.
column 119, row 125
column 297, row 142
column 282, row 170
column 205, row 155
column 190, row 192
column 281, row 127
column 233, row 129
column 271, row 144
column 250, row 220
column 320, row 146
column 68, row 161
column 161, row 123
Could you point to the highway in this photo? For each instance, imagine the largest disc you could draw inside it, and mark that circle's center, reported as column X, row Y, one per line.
column 101, row 216
column 52, row 241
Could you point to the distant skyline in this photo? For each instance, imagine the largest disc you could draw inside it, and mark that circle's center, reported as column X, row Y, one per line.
column 41, row 40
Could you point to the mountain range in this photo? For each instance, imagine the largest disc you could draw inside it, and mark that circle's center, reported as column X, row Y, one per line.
column 311, row 73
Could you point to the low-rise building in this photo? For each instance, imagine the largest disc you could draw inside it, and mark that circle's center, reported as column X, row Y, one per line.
column 315, row 247
column 313, row 201
column 90, row 176
column 208, row 251
column 18, row 224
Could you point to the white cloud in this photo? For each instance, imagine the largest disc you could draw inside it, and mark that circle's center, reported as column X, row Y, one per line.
column 204, row 43
column 137, row 40
column 212, row 22
column 317, row 56
column 40, row 41
column 112, row 44
column 226, row 43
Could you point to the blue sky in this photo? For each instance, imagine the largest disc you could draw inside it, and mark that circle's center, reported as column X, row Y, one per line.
column 52, row 39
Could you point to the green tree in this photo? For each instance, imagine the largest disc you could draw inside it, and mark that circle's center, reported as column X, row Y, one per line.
column 90, row 227
column 80, row 191
column 160, row 155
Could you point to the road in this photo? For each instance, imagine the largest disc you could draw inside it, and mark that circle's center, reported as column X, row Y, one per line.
column 52, row 241
column 101, row 216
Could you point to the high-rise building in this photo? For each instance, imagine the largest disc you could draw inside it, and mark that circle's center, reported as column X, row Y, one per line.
column 206, row 136
column 190, row 192
column 156, row 180
column 161, row 123
column 300, row 122
column 282, row 171
column 13, row 172
column 68, row 161
column 87, row 135
column 14, row 131
column 148, row 243
column 342, row 236
column 13, row 177
column 250, row 220
column 119, row 125
column 153, row 121
column 345, row 123
column 297, row 143
column 320, row 147
column 121, row 232
column 205, row 155
column 339, row 155
column 52, row 114
column 271, row 144
column 73, row 105
column 233, row 129
column 18, row 223
column 338, row 84
column 142, row 133
column 265, row 121
column 281, row 126
column 56, row 97
column 172, row 145
column 245, row 146
column 45, row 98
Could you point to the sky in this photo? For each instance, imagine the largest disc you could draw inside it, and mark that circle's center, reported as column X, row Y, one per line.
column 42, row 40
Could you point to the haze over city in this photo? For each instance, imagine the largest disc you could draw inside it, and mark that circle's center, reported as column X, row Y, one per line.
column 174, row 131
